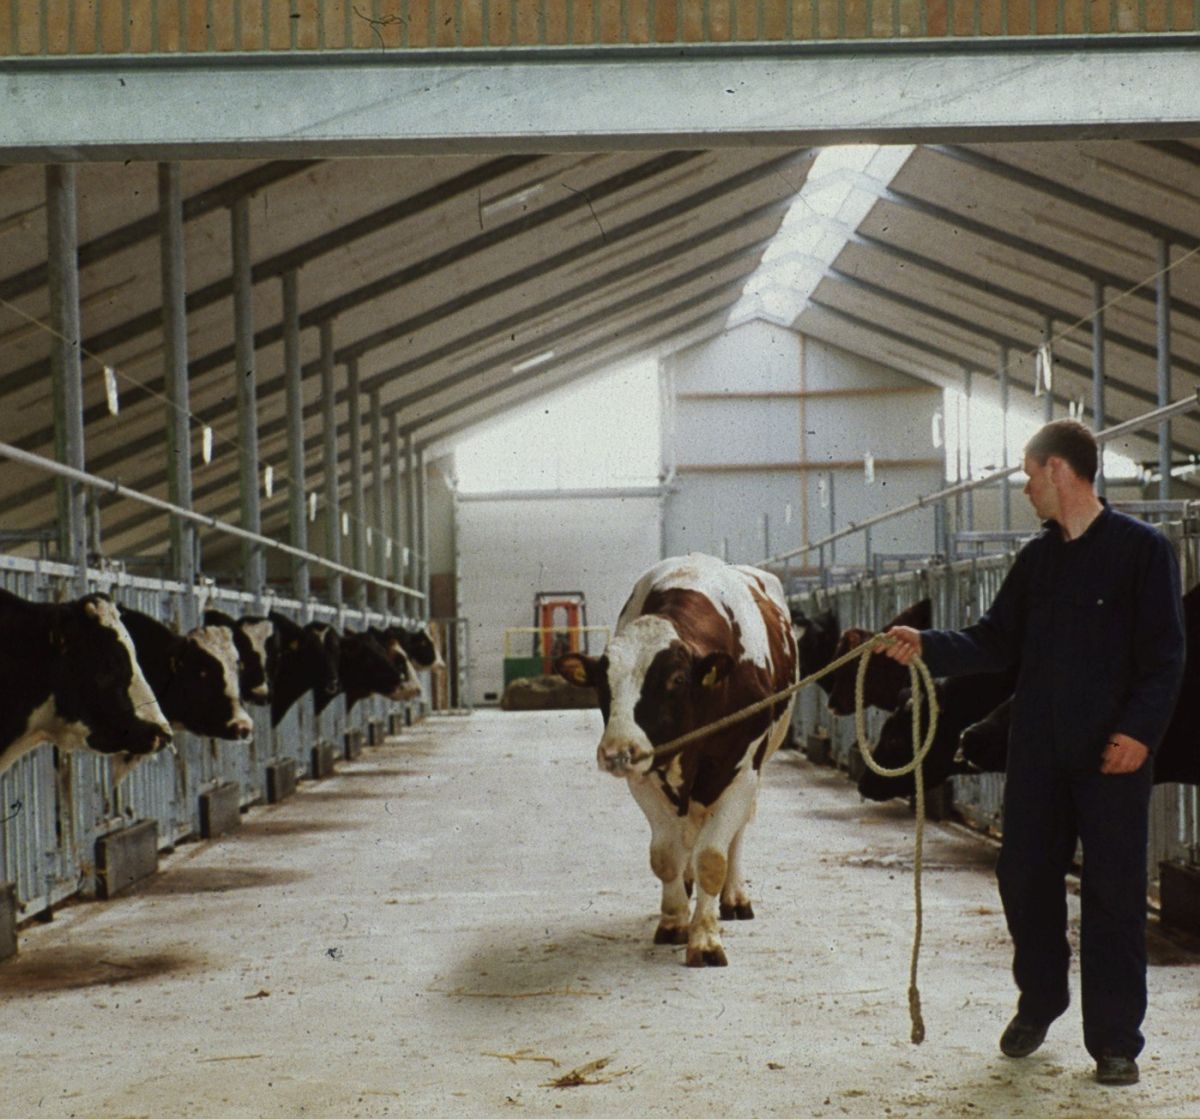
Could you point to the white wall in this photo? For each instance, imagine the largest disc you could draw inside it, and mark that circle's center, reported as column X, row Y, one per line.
column 511, row 548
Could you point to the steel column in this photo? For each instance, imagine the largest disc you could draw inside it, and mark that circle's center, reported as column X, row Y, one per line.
column 333, row 513
column 65, row 362
column 397, row 567
column 297, row 513
column 410, row 507
column 423, row 529
column 1098, row 413
column 358, row 531
column 175, row 371
column 1006, row 495
column 378, row 526
column 247, row 395
column 1163, row 318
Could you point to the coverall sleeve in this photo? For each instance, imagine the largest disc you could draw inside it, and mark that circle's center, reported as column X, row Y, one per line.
column 1159, row 648
column 991, row 644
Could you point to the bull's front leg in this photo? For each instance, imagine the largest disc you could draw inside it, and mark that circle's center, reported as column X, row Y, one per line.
column 717, row 868
column 735, row 900
column 668, row 860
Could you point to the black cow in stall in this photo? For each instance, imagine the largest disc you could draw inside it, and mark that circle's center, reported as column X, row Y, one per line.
column 419, row 644
column 885, row 679
column 364, row 669
column 410, row 686
column 308, row 662
column 194, row 675
column 816, row 639
column 72, row 677
column 257, row 646
column 962, row 700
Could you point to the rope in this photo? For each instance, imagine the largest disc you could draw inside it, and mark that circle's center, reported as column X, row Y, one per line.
column 921, row 682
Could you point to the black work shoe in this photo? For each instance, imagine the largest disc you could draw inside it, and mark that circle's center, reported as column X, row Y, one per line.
column 1022, row 1037
column 1112, row 1068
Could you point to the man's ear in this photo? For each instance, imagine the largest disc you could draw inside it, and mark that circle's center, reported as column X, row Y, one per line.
column 576, row 668
column 711, row 670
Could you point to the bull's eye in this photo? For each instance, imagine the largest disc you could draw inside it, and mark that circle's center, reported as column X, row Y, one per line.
column 677, row 681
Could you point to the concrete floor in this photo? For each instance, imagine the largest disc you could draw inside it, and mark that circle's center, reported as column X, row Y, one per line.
column 465, row 915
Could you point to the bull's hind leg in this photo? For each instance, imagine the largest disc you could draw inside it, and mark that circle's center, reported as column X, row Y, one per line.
column 735, row 900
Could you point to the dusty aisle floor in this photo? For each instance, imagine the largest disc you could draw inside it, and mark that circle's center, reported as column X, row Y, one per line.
column 465, row 914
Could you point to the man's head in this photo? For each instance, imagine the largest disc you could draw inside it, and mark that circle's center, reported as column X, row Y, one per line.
column 1062, row 456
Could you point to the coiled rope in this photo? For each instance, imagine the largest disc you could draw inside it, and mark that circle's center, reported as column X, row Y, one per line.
column 921, row 682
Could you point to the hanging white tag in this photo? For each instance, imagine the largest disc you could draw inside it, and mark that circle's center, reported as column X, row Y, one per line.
column 269, row 480
column 110, row 390
column 1044, row 375
column 369, row 536
column 387, row 547
column 868, row 468
column 345, row 524
column 936, row 432
column 787, row 513
column 823, row 490
column 206, row 441
column 404, row 556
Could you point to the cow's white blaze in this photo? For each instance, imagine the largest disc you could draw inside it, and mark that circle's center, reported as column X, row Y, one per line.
column 258, row 634
column 630, row 654
column 217, row 641
column 145, row 705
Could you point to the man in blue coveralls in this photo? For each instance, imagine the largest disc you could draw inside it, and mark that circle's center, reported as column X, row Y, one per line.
column 1091, row 611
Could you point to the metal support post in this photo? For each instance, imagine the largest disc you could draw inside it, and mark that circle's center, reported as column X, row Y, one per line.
column 397, row 568
column 423, row 529
column 378, row 524
column 254, row 562
column 333, row 512
column 410, row 508
column 175, row 371
column 293, row 375
column 1005, row 488
column 65, row 362
column 1163, row 320
column 1098, row 413
column 358, row 530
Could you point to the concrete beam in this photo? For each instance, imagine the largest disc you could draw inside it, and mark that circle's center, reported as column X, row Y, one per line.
column 358, row 104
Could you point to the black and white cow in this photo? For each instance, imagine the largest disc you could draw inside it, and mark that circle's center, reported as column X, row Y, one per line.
column 194, row 675
column 386, row 639
column 257, row 649
column 816, row 639
column 420, row 644
column 884, row 678
column 364, row 669
column 308, row 662
column 72, row 677
column 697, row 640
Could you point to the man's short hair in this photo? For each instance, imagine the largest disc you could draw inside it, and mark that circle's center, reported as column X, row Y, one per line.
column 1070, row 441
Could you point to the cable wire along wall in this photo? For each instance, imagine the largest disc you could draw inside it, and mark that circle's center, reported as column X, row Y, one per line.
column 123, row 27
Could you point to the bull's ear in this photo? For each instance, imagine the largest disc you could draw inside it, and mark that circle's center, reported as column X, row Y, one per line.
column 711, row 670
column 576, row 668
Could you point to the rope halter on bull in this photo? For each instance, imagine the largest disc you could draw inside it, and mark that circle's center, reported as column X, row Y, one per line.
column 921, row 682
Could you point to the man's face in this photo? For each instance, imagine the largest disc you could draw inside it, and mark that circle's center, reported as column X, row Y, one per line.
column 1040, row 488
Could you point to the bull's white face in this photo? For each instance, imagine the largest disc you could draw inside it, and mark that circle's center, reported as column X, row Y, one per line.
column 140, row 695
column 217, row 641
column 625, row 749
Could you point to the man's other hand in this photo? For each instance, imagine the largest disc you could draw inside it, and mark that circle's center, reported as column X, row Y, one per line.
column 1123, row 755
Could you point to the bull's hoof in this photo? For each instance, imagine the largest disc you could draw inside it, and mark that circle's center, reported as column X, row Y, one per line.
column 665, row 934
column 706, row 957
column 741, row 912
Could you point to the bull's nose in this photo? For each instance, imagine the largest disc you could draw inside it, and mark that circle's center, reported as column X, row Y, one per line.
column 161, row 740
column 241, row 728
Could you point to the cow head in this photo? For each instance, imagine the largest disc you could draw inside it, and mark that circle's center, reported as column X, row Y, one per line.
column 420, row 646
column 100, row 672
column 651, row 687
column 323, row 652
column 816, row 640
column 884, row 678
column 387, row 639
column 205, row 693
column 257, row 649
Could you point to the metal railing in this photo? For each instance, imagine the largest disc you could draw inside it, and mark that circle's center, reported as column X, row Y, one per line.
column 177, row 27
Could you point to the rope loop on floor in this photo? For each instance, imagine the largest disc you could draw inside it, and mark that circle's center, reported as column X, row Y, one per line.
column 921, row 683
